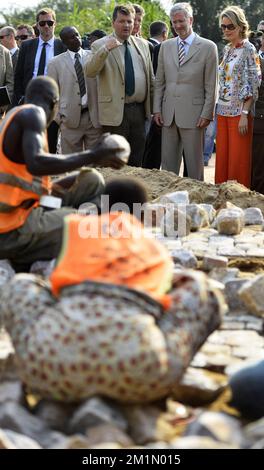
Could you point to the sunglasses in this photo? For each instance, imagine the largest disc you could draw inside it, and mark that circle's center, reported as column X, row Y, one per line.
column 22, row 37
column 48, row 22
column 4, row 36
column 229, row 27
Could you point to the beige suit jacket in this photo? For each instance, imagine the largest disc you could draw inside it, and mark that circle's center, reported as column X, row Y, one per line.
column 6, row 73
column 61, row 69
column 109, row 70
column 188, row 92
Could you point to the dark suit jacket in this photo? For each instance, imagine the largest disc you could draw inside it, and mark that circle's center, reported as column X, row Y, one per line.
column 155, row 57
column 15, row 59
column 25, row 65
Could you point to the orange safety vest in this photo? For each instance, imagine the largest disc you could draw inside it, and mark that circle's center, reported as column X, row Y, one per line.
column 20, row 191
column 126, row 257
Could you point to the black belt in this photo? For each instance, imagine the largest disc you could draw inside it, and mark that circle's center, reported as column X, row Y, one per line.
column 84, row 110
column 134, row 104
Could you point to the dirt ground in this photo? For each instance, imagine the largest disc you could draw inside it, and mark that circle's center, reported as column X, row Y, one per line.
column 159, row 182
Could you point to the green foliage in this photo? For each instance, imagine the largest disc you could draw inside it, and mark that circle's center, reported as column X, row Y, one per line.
column 85, row 15
column 206, row 14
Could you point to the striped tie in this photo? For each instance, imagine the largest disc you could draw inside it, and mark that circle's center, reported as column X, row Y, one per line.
column 181, row 52
column 79, row 73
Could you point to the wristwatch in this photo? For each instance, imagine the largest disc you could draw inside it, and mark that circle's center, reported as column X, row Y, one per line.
column 245, row 112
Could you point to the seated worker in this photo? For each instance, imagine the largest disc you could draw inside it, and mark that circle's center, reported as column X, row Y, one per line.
column 28, row 231
column 114, row 319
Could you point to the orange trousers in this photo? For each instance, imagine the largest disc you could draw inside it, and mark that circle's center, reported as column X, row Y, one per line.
column 233, row 151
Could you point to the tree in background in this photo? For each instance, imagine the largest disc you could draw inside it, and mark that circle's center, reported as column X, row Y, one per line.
column 206, row 14
column 85, row 15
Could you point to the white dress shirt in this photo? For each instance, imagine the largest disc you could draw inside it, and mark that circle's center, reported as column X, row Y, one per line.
column 49, row 55
column 187, row 42
column 84, row 100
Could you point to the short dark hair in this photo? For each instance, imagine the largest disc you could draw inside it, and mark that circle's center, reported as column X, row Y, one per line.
column 42, row 87
column 98, row 33
column 157, row 28
column 64, row 32
column 28, row 27
column 45, row 11
column 126, row 190
column 124, row 10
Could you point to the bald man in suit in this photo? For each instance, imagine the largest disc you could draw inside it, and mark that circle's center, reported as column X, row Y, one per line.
column 185, row 93
column 78, row 115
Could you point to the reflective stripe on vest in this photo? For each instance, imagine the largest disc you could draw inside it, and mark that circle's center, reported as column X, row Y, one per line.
column 20, row 191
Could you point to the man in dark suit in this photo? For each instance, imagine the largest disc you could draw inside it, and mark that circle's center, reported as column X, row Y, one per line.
column 158, row 32
column 34, row 55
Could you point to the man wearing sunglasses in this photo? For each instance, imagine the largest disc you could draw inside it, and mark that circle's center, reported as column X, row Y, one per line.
column 34, row 56
column 7, row 39
column 24, row 32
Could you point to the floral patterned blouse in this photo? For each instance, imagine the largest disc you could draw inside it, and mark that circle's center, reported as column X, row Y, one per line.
column 239, row 78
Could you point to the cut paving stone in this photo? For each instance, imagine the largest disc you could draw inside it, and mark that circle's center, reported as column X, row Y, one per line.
column 198, row 215
column 224, row 274
column 251, row 294
column 253, row 216
column 233, row 325
column 249, row 352
column 218, row 426
column 237, row 338
column 185, row 258
column 177, row 197
column 256, row 252
column 176, row 223
column 231, row 252
column 199, row 387
column 215, row 363
column 220, row 240
column 211, row 212
column 230, row 221
column 211, row 262
column 232, row 294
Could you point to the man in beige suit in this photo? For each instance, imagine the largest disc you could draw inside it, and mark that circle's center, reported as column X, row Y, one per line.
column 6, row 74
column 77, row 115
column 123, row 68
column 185, row 93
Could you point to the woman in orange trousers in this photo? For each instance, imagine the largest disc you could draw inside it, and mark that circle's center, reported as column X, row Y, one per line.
column 239, row 79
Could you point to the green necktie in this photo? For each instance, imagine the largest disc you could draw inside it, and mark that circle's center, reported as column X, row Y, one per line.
column 129, row 72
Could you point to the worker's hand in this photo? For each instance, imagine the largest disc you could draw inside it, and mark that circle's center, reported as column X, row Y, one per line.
column 111, row 150
column 112, row 43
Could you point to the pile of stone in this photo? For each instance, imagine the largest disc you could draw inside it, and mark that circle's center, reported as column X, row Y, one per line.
column 224, row 244
column 177, row 423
